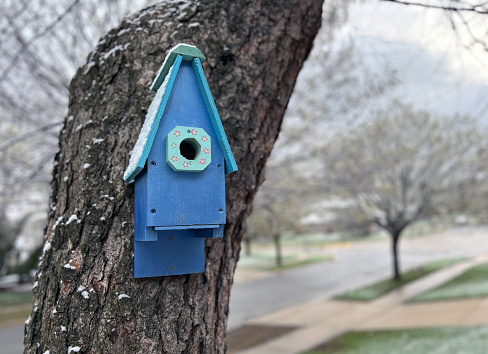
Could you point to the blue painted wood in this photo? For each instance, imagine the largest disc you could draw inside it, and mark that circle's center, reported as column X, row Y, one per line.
column 185, row 227
column 180, row 198
column 157, row 119
column 176, row 210
column 182, row 253
column 230, row 163
column 141, row 232
column 211, row 233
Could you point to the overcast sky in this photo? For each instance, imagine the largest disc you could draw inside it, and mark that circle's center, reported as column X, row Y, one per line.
column 436, row 69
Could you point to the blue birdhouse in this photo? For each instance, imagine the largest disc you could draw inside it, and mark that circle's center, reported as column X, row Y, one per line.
column 178, row 166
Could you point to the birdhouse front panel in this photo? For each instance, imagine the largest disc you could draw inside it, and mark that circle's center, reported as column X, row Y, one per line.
column 178, row 164
column 179, row 197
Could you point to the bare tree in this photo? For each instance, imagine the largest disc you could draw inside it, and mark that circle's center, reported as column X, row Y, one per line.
column 42, row 43
column 466, row 18
column 280, row 206
column 254, row 51
column 399, row 166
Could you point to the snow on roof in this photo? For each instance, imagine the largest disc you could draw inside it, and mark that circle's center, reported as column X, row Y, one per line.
column 187, row 51
column 140, row 151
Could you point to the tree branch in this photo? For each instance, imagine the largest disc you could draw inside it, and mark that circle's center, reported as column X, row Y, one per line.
column 479, row 9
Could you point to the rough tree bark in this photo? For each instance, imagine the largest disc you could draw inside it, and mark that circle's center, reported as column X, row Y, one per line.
column 85, row 296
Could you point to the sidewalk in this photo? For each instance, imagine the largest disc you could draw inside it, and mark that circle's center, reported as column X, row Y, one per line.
column 322, row 319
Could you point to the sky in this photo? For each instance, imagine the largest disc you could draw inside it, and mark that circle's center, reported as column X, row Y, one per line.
column 437, row 70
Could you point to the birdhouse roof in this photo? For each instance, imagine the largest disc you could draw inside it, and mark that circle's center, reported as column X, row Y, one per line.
column 188, row 52
column 163, row 84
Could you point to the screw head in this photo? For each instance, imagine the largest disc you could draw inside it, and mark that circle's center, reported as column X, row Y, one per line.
column 221, row 210
column 188, row 131
column 170, row 267
column 219, row 165
column 170, row 237
column 153, row 163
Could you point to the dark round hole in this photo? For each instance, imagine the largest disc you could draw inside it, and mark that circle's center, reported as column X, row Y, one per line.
column 153, row 163
column 221, row 210
column 153, row 211
column 189, row 149
column 219, row 165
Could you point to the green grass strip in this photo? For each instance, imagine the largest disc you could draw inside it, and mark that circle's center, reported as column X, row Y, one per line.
column 376, row 290
column 15, row 313
column 472, row 283
column 300, row 263
column 448, row 340
column 10, row 298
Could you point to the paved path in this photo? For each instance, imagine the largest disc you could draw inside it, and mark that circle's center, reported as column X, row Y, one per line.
column 360, row 264
column 322, row 319
column 11, row 340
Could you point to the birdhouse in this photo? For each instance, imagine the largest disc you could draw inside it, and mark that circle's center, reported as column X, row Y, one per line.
column 178, row 166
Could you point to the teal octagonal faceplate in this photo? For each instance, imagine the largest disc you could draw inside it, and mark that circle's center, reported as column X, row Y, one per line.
column 188, row 149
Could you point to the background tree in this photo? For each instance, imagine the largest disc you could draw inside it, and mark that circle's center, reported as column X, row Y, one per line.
column 254, row 51
column 279, row 206
column 42, row 44
column 8, row 234
column 402, row 164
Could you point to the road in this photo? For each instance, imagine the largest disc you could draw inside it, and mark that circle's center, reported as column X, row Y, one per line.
column 360, row 264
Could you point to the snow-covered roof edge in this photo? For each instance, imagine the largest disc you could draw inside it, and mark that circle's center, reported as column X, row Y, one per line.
column 151, row 123
column 187, row 51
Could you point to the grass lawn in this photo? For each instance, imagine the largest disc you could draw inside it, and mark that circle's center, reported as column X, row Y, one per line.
column 450, row 340
column 376, row 290
column 9, row 298
column 267, row 261
column 292, row 263
column 472, row 283
column 15, row 307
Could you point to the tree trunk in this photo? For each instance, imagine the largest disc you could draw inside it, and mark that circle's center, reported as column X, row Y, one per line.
column 279, row 257
column 395, row 237
column 85, row 295
column 247, row 246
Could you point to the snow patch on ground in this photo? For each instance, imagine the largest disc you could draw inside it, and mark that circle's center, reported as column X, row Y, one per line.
column 85, row 166
column 123, row 296
column 73, row 349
